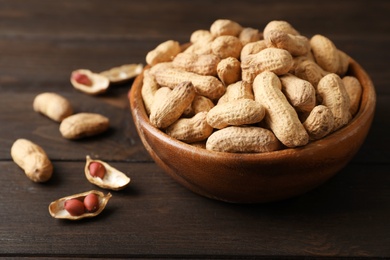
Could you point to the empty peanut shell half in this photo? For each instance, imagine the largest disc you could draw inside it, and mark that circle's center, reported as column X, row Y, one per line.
column 89, row 82
column 104, row 175
column 122, row 73
column 65, row 208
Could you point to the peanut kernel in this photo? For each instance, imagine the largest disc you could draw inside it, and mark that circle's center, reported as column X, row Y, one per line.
column 75, row 207
column 82, row 79
column 97, row 169
column 91, row 202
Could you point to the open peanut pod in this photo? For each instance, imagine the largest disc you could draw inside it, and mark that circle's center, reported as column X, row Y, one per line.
column 89, row 82
column 122, row 73
column 58, row 208
column 104, row 175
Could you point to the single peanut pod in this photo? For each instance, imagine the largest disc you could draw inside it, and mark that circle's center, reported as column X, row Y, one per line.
column 205, row 64
column 275, row 60
column 190, row 130
column 354, row 90
column 319, row 123
column 334, row 95
column 310, row 71
column 252, row 48
column 226, row 46
column 240, row 90
column 202, row 104
column 83, row 125
column 201, row 36
column 297, row 45
column 32, row 159
column 149, row 88
column 159, row 67
column 165, row 112
column 238, row 139
column 185, row 46
column 199, row 104
column 113, row 179
column 300, row 93
column 237, row 90
column 161, row 94
column 248, row 35
column 229, row 70
column 57, row 207
column 281, row 117
column 207, row 86
column 164, row 52
column 236, row 112
column 279, row 25
column 225, row 27
column 223, row 99
column 325, row 53
column 299, row 59
column 200, row 47
column 52, row 105
column 343, row 63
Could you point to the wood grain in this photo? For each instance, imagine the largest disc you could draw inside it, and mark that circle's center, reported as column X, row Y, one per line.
column 42, row 41
column 155, row 216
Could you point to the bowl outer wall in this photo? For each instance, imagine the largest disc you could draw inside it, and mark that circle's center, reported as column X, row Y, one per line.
column 255, row 178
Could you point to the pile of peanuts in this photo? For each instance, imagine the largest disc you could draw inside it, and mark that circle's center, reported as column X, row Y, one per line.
column 237, row 89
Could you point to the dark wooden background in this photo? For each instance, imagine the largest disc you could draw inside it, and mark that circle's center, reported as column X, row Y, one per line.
column 42, row 41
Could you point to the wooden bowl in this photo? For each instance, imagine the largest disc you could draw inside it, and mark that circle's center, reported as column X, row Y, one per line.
column 262, row 177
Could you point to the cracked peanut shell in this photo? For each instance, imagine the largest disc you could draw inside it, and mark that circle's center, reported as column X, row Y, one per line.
column 57, row 207
column 113, row 179
column 122, row 73
column 97, row 83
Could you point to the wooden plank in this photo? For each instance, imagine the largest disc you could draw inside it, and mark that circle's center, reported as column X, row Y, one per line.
column 120, row 142
column 154, row 216
column 44, row 43
column 33, row 62
column 97, row 16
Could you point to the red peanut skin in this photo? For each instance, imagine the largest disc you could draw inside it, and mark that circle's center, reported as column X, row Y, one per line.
column 97, row 169
column 75, row 207
column 91, row 202
column 82, row 79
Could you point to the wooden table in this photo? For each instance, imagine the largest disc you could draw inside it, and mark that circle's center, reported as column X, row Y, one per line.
column 43, row 41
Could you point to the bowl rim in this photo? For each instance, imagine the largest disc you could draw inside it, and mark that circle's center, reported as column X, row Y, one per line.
column 364, row 115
